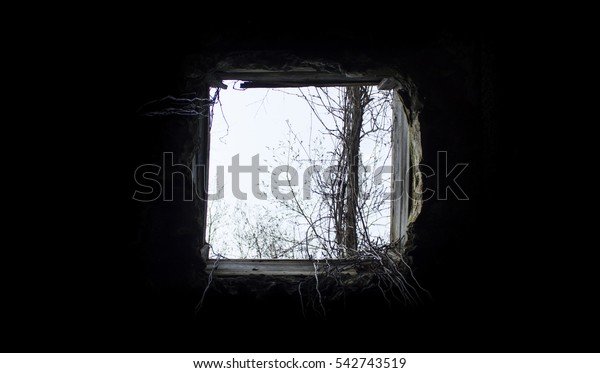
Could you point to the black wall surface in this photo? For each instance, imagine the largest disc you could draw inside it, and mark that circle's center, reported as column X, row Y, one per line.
column 117, row 276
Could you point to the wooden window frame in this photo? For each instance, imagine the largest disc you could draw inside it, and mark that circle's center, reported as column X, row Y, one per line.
column 305, row 77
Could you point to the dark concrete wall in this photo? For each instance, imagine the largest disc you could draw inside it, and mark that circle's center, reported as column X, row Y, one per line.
column 129, row 276
column 454, row 77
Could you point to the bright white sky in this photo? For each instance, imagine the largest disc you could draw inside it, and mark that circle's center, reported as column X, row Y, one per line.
column 269, row 123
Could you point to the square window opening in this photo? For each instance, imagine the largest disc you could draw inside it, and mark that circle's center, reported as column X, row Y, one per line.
column 305, row 173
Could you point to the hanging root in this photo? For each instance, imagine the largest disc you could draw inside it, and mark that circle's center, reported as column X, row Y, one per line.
column 390, row 268
column 301, row 300
column 317, row 288
column 208, row 283
column 379, row 267
column 170, row 105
